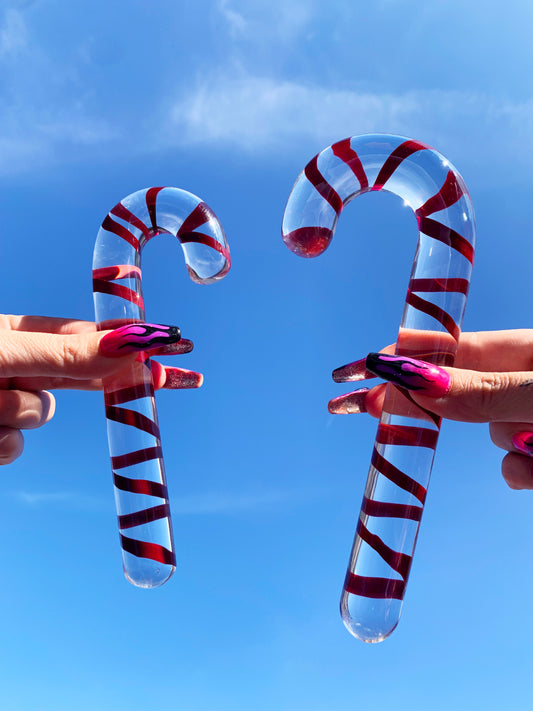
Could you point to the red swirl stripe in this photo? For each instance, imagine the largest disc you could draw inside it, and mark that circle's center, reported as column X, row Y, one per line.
column 147, row 454
column 435, row 311
column 134, row 392
column 139, row 518
column 207, row 240
column 151, row 201
column 201, row 214
column 383, row 509
column 123, row 292
column 152, row 551
column 114, row 227
column 133, row 419
column 458, row 285
column 121, row 211
column 346, row 153
column 395, row 159
column 445, row 234
column 407, row 436
column 399, row 562
column 450, row 192
column 376, row 588
column 317, row 180
column 140, row 486
column 402, row 480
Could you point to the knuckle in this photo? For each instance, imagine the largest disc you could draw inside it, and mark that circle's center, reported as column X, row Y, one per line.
column 493, row 386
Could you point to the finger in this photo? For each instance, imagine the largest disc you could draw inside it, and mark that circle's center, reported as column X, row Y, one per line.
column 465, row 395
column 25, row 410
column 11, row 445
column 513, row 436
column 517, row 470
column 496, row 351
column 162, row 377
column 82, row 356
column 46, row 324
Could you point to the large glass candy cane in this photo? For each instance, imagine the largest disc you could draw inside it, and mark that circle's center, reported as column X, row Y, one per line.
column 133, row 433
column 406, row 439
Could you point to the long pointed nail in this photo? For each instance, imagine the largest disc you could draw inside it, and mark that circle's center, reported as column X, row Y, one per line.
column 352, row 372
column 179, row 379
column 137, row 337
column 178, row 348
column 410, row 374
column 523, row 442
column 349, row 404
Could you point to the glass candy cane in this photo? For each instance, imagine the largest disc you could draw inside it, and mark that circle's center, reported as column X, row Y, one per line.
column 407, row 436
column 133, row 432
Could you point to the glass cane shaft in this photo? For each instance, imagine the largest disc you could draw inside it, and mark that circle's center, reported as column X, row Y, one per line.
column 404, row 449
column 141, row 493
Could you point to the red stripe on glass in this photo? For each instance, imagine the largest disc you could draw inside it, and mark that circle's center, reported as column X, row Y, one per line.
column 402, row 480
column 456, row 285
column 445, row 234
column 139, row 518
column 133, row 419
column 399, row 562
column 346, row 153
column 121, row 211
column 318, row 181
column 140, row 455
column 450, row 192
column 383, row 509
column 404, row 435
column 435, row 311
column 151, row 200
column 152, row 551
column 140, row 486
column 122, row 292
column 119, row 230
column 395, row 159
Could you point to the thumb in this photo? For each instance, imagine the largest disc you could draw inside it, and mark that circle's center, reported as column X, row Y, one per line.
column 80, row 355
column 457, row 394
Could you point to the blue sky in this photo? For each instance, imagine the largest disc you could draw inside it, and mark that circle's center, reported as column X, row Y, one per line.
column 229, row 99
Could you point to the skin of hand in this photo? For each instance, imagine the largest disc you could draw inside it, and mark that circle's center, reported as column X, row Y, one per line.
column 41, row 353
column 491, row 381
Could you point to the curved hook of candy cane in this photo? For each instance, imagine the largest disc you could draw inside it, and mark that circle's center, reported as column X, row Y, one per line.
column 407, row 436
column 141, row 493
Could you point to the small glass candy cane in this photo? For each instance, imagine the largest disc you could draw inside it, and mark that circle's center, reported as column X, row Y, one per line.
column 133, row 432
column 407, row 436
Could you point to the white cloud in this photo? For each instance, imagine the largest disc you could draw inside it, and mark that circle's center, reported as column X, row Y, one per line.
column 236, row 22
column 261, row 21
column 35, row 498
column 261, row 115
column 206, row 503
column 45, row 116
column 13, row 33
column 71, row 500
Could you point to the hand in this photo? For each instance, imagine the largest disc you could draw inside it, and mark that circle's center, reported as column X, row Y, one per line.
column 38, row 354
column 492, row 381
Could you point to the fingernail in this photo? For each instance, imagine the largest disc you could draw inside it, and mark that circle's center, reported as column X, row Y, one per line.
column 351, row 372
column 349, row 404
column 183, row 346
column 523, row 442
column 179, row 379
column 409, row 373
column 137, row 337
